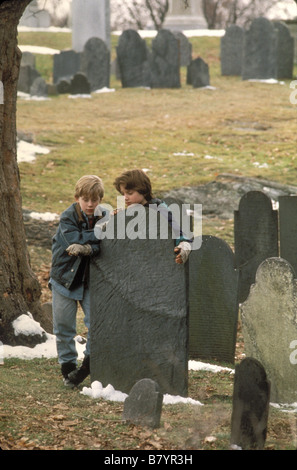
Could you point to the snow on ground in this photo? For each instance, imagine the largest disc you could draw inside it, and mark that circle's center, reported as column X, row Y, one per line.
column 27, row 151
column 26, row 325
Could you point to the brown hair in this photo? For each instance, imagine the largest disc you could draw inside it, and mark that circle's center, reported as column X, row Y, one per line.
column 90, row 186
column 136, row 180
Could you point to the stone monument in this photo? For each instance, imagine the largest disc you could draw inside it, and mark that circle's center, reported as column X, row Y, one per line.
column 90, row 18
column 181, row 17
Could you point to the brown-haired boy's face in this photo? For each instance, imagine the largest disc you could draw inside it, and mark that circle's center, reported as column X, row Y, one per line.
column 131, row 196
column 88, row 204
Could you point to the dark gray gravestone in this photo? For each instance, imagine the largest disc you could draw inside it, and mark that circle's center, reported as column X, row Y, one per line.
column 65, row 65
column 198, row 73
column 231, row 50
column 79, row 84
column 162, row 67
column 143, row 406
column 288, row 229
column 260, row 51
column 64, row 86
column 269, row 326
column 285, row 51
column 131, row 56
column 250, row 405
column 255, row 237
column 184, row 47
column 139, row 321
column 27, row 76
column 95, row 63
column 213, row 306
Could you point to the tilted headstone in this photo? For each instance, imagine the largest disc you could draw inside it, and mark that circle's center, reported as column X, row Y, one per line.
column 255, row 237
column 213, row 305
column 162, row 68
column 231, row 50
column 143, row 406
column 270, row 329
column 198, row 73
column 288, row 229
column 139, row 316
column 131, row 56
column 66, row 64
column 184, row 47
column 250, row 405
column 260, row 50
column 285, row 51
column 95, row 63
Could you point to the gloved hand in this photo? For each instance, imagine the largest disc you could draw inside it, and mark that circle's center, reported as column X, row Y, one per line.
column 182, row 251
column 76, row 250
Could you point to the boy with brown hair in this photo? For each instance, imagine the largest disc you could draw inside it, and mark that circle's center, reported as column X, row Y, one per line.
column 73, row 245
column 136, row 188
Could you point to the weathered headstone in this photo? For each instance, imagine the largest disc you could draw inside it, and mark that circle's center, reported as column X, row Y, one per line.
column 64, row 86
column 231, row 50
column 39, row 87
column 66, row 64
column 198, row 73
column 285, row 51
column 184, row 47
column 250, row 405
column 255, row 237
column 260, row 50
column 28, row 59
column 213, row 305
column 27, row 76
column 270, row 329
column 95, row 63
column 139, row 319
column 288, row 229
column 131, row 56
column 79, row 84
column 143, row 406
column 90, row 18
column 162, row 68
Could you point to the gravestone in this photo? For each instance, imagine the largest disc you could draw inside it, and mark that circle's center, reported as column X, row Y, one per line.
column 27, row 75
column 288, row 229
column 95, row 63
column 39, row 87
column 35, row 17
column 255, row 237
column 139, row 306
column 131, row 56
column 64, row 86
column 198, row 73
column 285, row 51
column 90, row 18
column 184, row 47
column 270, row 329
column 79, row 84
column 231, row 50
column 28, row 59
column 162, row 67
column 65, row 65
column 143, row 406
column 250, row 405
column 260, row 50
column 213, row 305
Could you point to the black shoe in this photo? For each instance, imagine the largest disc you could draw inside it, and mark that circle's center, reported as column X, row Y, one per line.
column 67, row 368
column 79, row 375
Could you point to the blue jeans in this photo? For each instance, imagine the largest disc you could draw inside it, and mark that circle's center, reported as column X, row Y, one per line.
column 64, row 324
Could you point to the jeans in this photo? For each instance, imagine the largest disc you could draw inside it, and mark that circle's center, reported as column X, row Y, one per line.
column 64, row 324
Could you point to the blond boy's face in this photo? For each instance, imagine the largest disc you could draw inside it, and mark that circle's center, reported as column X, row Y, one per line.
column 131, row 196
column 88, row 204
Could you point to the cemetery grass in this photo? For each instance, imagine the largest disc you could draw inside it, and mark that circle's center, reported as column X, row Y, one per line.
column 184, row 137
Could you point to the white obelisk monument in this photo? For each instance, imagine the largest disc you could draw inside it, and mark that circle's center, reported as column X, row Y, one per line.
column 184, row 17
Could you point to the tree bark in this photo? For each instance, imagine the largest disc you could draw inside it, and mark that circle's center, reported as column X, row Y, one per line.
column 19, row 288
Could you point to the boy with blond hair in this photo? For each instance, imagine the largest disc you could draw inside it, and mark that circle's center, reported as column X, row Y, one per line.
column 73, row 245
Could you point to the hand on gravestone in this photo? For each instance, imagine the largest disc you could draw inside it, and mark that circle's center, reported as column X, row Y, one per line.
column 182, row 251
column 76, row 250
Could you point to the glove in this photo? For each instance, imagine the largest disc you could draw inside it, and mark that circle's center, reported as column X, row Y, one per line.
column 182, row 251
column 76, row 250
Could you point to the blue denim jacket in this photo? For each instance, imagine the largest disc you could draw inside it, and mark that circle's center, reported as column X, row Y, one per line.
column 71, row 271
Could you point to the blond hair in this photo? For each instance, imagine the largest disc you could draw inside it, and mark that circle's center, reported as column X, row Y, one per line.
column 89, row 186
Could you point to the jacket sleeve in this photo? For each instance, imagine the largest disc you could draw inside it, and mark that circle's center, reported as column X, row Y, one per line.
column 69, row 232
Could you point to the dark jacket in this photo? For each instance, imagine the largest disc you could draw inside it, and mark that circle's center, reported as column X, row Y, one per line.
column 71, row 271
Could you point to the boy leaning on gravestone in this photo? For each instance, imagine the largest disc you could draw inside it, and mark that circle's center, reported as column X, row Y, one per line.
column 73, row 245
column 136, row 188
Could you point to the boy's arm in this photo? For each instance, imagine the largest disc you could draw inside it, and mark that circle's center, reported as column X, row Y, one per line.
column 69, row 234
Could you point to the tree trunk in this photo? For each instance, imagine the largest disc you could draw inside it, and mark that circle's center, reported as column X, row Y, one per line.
column 19, row 288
